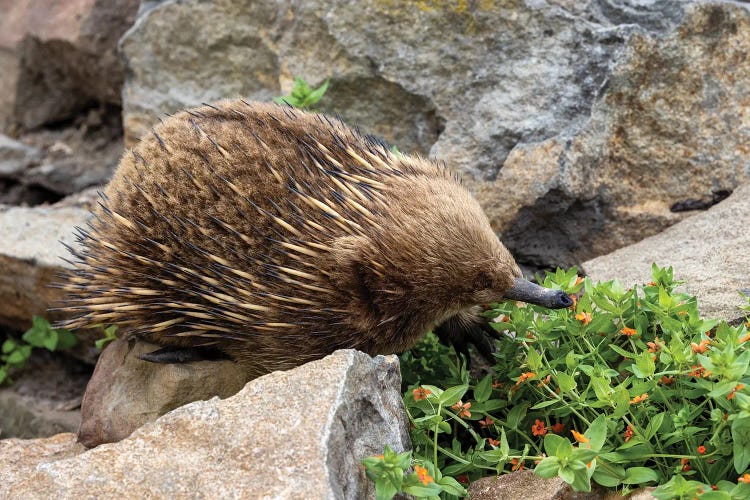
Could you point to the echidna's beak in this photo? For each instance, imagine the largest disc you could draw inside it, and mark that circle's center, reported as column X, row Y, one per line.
column 526, row 291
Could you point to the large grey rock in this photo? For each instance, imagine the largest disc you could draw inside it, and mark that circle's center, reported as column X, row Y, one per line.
column 56, row 57
column 15, row 156
column 126, row 392
column 31, row 252
column 44, row 398
column 578, row 124
column 709, row 251
column 525, row 484
column 295, row 434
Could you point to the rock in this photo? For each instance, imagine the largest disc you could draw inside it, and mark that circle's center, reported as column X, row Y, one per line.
column 522, row 484
column 44, row 398
column 578, row 124
column 126, row 392
column 525, row 484
column 294, row 434
column 31, row 252
column 709, row 251
column 58, row 57
column 15, row 157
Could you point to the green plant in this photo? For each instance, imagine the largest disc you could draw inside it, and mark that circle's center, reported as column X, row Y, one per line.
column 302, row 95
column 15, row 353
column 627, row 388
column 109, row 336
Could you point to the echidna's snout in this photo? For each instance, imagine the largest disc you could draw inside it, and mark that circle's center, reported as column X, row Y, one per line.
column 526, row 291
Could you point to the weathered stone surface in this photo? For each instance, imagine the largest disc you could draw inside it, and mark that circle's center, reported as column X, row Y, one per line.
column 709, row 251
column 15, row 156
column 578, row 124
column 126, row 392
column 47, row 164
column 30, row 258
column 56, row 57
column 295, row 434
column 526, row 485
column 44, row 398
column 21, row 456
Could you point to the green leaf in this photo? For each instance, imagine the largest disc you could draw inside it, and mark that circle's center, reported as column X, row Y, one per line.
column 654, row 424
column 483, row 389
column 516, row 414
column 384, row 489
column 548, row 467
column 451, row 486
column 622, row 352
column 9, row 345
column 565, row 381
column 597, row 433
column 581, row 480
column 741, row 444
column 451, row 395
column 40, row 334
column 640, row 475
column 644, row 365
column 557, row 446
column 3, row 374
column 609, row 476
column 65, row 339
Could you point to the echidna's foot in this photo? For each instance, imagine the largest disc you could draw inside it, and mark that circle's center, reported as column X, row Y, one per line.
column 172, row 354
column 462, row 332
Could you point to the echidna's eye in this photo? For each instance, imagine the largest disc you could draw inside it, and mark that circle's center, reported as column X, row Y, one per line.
column 483, row 281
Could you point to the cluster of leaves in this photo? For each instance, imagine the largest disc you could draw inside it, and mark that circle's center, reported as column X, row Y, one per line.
column 626, row 388
column 42, row 335
column 303, row 96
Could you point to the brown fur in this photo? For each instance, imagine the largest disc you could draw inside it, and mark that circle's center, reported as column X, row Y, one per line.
column 279, row 236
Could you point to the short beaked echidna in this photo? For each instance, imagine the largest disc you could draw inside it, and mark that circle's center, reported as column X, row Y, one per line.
column 275, row 236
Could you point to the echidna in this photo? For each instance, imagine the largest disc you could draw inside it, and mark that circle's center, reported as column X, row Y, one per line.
column 276, row 236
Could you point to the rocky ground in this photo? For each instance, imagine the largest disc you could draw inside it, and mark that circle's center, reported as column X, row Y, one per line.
column 608, row 134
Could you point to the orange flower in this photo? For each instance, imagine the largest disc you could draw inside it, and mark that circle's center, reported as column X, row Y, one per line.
column 745, row 478
column 493, row 442
column 579, row 437
column 423, row 475
column 380, row 457
column 738, row 387
column 638, row 399
column 714, row 487
column 497, row 384
column 651, row 283
column 575, row 301
column 584, row 318
column 700, row 348
column 420, row 393
column 701, row 450
column 628, row 331
column 462, row 409
column 525, row 376
column 558, row 428
column 654, row 346
column 544, row 381
column 628, row 433
column 503, row 319
column 697, row 371
column 745, row 338
column 486, row 422
column 685, row 464
column 666, row 380
column 538, row 429
column 516, row 464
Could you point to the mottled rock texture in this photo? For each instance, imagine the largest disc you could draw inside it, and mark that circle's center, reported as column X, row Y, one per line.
column 126, row 392
column 579, row 125
column 57, row 57
column 709, row 251
column 295, row 434
column 526, row 485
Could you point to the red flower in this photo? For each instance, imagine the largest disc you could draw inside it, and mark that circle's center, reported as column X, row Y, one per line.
column 628, row 433
column 558, row 428
column 493, row 442
column 516, row 464
column 420, row 393
column 486, row 422
column 462, row 409
column 463, row 479
column 701, row 450
column 700, row 348
column 538, row 429
column 738, row 387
